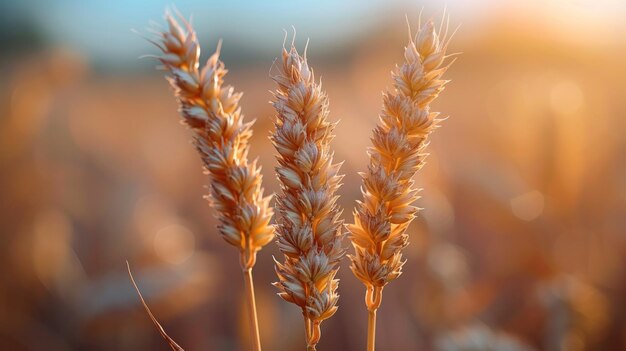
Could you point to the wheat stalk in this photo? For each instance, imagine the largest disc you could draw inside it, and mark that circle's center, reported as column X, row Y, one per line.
column 309, row 228
column 378, row 233
column 211, row 110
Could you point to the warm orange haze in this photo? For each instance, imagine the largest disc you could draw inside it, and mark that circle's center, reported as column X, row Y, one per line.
column 519, row 243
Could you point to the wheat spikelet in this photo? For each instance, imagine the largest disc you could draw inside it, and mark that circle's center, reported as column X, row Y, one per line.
column 309, row 228
column 211, row 110
column 382, row 217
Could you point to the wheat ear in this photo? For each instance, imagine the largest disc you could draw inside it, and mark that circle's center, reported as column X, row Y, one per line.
column 211, row 110
column 308, row 225
column 382, row 217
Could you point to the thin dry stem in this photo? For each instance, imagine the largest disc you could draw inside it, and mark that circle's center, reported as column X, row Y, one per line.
column 309, row 333
column 156, row 323
column 254, row 324
column 371, row 330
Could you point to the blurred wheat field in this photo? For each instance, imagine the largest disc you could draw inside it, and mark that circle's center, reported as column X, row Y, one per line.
column 521, row 244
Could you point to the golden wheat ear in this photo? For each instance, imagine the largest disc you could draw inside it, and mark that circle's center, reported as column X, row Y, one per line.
column 378, row 233
column 308, row 228
column 156, row 323
column 211, row 111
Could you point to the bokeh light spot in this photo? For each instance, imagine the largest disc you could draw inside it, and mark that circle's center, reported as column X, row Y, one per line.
column 174, row 244
column 528, row 206
column 51, row 245
column 566, row 98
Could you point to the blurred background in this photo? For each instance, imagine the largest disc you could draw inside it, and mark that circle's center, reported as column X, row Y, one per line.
column 521, row 244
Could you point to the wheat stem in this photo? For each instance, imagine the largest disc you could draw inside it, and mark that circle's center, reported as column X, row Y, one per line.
column 308, row 334
column 307, row 328
column 371, row 330
column 252, row 315
column 373, row 298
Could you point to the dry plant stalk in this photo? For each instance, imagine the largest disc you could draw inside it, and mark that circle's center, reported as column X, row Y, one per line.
column 308, row 225
column 173, row 345
column 211, row 110
column 378, row 233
